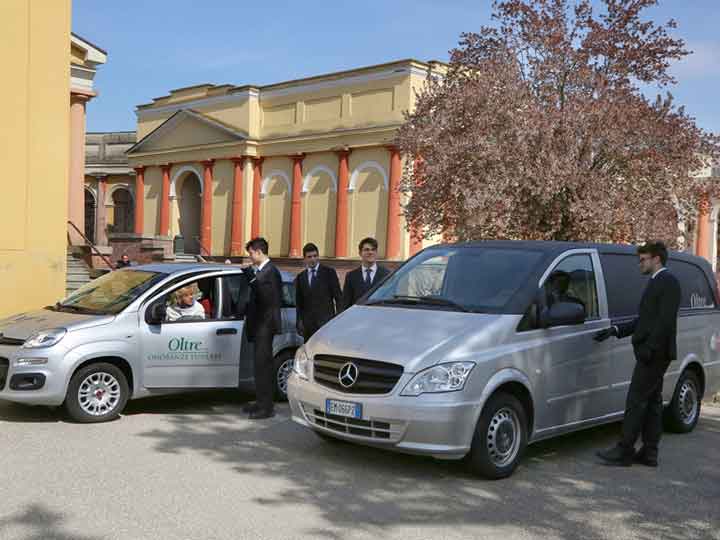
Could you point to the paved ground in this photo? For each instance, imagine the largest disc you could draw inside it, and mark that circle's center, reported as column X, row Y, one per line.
column 195, row 468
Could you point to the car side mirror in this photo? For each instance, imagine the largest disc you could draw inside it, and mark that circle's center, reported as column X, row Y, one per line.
column 156, row 313
column 561, row 314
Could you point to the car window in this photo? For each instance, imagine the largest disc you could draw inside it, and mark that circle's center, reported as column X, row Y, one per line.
column 236, row 295
column 623, row 282
column 573, row 280
column 288, row 294
column 696, row 291
column 192, row 302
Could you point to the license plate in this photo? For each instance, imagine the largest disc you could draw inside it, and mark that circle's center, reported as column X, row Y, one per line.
column 343, row 408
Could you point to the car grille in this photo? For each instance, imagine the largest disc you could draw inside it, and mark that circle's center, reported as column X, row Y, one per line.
column 4, row 366
column 373, row 429
column 373, row 377
column 10, row 341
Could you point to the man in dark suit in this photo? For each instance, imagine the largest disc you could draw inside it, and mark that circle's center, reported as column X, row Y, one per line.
column 262, row 323
column 317, row 293
column 360, row 280
column 654, row 334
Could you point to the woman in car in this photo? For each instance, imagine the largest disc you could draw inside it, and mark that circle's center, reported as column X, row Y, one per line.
column 185, row 305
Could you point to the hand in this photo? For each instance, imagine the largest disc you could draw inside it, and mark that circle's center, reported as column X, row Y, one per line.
column 602, row 335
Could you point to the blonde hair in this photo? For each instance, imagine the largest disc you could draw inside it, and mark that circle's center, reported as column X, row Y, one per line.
column 189, row 289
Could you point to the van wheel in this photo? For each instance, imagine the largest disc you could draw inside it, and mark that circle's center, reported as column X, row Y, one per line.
column 500, row 438
column 683, row 413
column 283, row 368
column 96, row 393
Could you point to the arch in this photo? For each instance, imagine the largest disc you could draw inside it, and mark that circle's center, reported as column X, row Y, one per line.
column 181, row 171
column 270, row 175
column 317, row 169
column 115, row 187
column 369, row 207
column 90, row 208
column 275, row 211
column 123, row 210
column 319, row 210
column 367, row 165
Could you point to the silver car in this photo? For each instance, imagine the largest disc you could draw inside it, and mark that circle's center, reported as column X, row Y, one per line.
column 113, row 340
column 475, row 350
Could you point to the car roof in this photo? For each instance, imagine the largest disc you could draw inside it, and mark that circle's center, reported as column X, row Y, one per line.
column 188, row 268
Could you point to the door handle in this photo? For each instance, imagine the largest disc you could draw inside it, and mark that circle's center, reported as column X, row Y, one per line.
column 226, row 331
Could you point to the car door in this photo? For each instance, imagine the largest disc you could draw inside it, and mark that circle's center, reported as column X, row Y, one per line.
column 574, row 366
column 192, row 352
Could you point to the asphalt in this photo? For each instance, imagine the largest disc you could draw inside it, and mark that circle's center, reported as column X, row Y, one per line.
column 193, row 467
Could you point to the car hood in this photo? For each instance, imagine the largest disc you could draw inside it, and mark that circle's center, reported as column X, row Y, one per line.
column 20, row 327
column 413, row 338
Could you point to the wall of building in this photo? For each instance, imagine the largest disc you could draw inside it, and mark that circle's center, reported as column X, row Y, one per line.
column 35, row 123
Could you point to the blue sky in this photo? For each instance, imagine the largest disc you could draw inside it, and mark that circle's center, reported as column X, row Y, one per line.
column 154, row 46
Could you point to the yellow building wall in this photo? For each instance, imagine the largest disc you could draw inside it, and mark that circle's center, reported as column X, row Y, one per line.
column 319, row 202
column 368, row 201
column 222, row 207
column 35, row 123
column 275, row 205
column 151, row 210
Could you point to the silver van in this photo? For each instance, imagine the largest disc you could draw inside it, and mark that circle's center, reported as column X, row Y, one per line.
column 476, row 350
column 113, row 340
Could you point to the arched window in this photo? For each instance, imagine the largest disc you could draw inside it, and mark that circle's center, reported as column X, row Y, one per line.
column 123, row 211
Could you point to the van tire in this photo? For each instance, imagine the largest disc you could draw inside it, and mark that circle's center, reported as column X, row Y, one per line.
column 503, row 416
column 683, row 412
column 283, row 366
column 110, row 380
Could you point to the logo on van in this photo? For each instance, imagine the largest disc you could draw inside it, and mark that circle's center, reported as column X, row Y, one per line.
column 697, row 301
column 348, row 374
column 182, row 344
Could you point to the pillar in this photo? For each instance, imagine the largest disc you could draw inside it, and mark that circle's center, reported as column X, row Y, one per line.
column 416, row 239
column 236, row 231
column 702, row 249
column 165, row 201
column 76, row 185
column 341, row 211
column 257, row 180
column 206, row 213
column 392, row 249
column 139, row 199
column 295, row 216
column 101, row 209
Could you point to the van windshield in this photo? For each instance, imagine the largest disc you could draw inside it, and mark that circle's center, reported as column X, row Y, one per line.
column 473, row 279
column 110, row 293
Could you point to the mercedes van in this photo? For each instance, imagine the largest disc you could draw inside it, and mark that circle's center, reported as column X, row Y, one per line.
column 476, row 350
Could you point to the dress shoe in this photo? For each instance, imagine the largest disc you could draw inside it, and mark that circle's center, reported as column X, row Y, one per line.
column 643, row 458
column 251, row 407
column 615, row 456
column 260, row 414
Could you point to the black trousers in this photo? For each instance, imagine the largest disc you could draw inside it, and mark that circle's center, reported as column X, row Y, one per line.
column 264, row 370
column 644, row 407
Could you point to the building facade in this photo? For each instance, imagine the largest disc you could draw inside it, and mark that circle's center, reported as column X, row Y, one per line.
column 309, row 160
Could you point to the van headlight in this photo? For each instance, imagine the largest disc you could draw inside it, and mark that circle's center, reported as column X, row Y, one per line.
column 44, row 338
column 449, row 377
column 301, row 366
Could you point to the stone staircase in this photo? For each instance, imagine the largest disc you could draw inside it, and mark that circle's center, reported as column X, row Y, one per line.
column 78, row 273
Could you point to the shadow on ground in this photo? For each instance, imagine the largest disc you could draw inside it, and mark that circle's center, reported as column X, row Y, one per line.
column 41, row 523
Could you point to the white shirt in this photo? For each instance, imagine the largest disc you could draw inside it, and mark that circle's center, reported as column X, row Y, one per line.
column 174, row 313
column 310, row 271
column 262, row 265
column 656, row 273
column 372, row 269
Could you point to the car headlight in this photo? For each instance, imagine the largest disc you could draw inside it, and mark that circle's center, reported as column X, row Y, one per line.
column 44, row 338
column 449, row 377
column 302, row 363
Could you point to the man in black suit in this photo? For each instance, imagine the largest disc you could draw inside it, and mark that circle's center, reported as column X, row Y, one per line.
column 360, row 280
column 262, row 323
column 654, row 335
column 317, row 293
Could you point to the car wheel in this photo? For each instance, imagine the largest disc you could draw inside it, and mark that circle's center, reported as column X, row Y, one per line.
column 283, row 368
column 96, row 393
column 500, row 438
column 683, row 413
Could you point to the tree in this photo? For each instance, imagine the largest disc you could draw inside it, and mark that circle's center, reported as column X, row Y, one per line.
column 539, row 129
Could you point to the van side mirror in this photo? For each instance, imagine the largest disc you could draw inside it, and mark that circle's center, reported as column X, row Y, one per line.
column 561, row 314
column 156, row 313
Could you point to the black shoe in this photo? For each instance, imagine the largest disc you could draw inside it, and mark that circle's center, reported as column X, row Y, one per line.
column 615, row 456
column 250, row 407
column 260, row 414
column 644, row 458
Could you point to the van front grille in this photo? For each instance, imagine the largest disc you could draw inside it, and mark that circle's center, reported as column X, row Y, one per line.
column 364, row 428
column 4, row 366
column 373, row 377
column 10, row 341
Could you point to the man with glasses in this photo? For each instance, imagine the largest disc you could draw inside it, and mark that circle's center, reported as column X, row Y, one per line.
column 317, row 293
column 362, row 279
column 654, row 334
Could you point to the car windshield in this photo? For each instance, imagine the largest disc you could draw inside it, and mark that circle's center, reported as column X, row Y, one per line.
column 473, row 279
column 110, row 293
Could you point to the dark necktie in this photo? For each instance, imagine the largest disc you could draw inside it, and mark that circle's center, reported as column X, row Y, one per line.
column 368, row 280
column 312, row 276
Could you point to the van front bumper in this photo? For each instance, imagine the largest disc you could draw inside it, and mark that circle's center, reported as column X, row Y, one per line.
column 438, row 425
column 49, row 385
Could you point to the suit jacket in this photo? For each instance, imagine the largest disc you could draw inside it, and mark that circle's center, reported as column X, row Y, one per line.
column 654, row 331
column 316, row 304
column 355, row 284
column 263, row 311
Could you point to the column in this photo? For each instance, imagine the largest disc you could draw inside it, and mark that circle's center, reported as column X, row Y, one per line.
column 257, row 180
column 295, row 232
column 76, row 184
column 101, row 209
column 206, row 214
column 392, row 249
column 165, row 201
column 236, row 231
column 416, row 239
column 702, row 249
column 341, row 211
column 139, row 199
